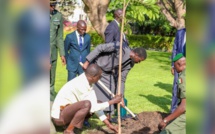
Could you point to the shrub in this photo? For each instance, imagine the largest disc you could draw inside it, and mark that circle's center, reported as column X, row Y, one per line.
column 151, row 42
column 157, row 42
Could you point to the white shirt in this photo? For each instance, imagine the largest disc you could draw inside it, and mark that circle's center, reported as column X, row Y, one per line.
column 78, row 36
column 76, row 90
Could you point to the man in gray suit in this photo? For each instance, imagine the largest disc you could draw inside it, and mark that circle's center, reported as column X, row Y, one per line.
column 106, row 56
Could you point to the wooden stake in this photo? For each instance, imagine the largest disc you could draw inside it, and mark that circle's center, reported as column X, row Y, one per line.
column 120, row 67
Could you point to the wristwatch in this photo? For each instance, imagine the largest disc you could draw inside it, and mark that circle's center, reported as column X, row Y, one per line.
column 165, row 121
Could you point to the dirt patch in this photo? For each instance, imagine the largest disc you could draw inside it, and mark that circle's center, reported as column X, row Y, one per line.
column 147, row 124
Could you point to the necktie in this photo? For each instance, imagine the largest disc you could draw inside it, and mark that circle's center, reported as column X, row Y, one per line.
column 80, row 42
column 80, row 46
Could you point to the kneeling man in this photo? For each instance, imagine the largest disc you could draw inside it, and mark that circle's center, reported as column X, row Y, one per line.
column 76, row 99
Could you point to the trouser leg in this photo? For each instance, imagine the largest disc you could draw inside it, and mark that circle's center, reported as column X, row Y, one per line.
column 52, row 80
column 174, row 103
column 75, row 114
column 71, row 75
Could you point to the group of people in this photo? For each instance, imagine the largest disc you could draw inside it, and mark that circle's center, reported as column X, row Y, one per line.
column 81, row 96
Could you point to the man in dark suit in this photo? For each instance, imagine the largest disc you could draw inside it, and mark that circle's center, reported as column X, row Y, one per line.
column 106, row 56
column 112, row 32
column 77, row 47
column 178, row 47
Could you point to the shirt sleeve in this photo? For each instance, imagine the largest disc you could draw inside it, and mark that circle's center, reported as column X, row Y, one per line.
column 100, row 114
column 102, row 48
column 182, row 86
column 95, row 106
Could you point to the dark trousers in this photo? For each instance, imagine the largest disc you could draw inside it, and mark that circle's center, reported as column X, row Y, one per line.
column 72, row 74
column 73, row 114
column 174, row 92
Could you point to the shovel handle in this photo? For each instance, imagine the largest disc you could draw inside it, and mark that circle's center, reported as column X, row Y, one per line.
column 106, row 89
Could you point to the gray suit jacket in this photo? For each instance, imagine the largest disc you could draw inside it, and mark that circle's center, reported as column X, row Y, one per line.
column 107, row 57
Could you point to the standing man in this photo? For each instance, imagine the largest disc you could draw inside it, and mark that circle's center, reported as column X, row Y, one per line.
column 179, row 47
column 112, row 32
column 107, row 57
column 76, row 99
column 56, row 43
column 77, row 47
column 175, row 123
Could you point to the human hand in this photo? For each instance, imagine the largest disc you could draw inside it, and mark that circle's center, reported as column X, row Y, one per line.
column 110, row 126
column 85, row 65
column 162, row 125
column 172, row 70
column 113, row 128
column 122, row 103
column 63, row 60
column 117, row 99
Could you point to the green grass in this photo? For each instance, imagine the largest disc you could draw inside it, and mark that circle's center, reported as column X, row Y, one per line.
column 148, row 84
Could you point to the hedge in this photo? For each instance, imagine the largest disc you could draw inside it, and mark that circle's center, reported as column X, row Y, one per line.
column 160, row 43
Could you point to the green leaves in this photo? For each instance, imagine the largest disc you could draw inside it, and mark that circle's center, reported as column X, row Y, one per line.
column 137, row 11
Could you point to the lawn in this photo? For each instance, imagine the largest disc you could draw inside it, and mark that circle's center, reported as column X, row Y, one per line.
column 148, row 84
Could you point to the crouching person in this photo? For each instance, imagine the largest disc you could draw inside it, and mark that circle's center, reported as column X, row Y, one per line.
column 175, row 123
column 76, row 99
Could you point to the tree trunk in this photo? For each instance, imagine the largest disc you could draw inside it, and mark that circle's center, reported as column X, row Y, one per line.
column 176, row 18
column 96, row 11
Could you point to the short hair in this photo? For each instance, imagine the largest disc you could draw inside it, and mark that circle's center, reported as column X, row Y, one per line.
column 93, row 70
column 116, row 12
column 141, row 52
column 81, row 23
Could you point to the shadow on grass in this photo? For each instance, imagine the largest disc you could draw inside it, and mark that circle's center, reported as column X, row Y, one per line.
column 162, row 102
column 161, row 57
column 164, row 86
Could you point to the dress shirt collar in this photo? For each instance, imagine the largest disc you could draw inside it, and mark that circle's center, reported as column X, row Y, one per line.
column 117, row 22
column 77, row 34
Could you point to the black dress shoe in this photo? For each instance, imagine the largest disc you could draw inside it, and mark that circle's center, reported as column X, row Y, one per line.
column 87, row 124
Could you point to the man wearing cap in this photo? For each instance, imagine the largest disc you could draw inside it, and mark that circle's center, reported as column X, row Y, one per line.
column 56, row 43
column 176, row 121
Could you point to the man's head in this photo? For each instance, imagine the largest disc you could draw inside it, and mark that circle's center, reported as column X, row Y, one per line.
column 138, row 55
column 118, row 15
column 93, row 73
column 81, row 27
column 179, row 62
column 52, row 5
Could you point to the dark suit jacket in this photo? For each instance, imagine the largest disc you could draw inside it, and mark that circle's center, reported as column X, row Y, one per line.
column 179, row 46
column 73, row 52
column 112, row 32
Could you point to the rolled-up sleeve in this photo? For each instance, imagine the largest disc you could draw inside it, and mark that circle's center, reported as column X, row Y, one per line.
column 100, row 114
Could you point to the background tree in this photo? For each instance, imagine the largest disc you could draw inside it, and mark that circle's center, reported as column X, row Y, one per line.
column 174, row 12
column 97, row 9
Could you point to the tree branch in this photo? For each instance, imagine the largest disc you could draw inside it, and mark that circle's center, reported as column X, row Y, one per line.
column 167, row 13
column 180, row 10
